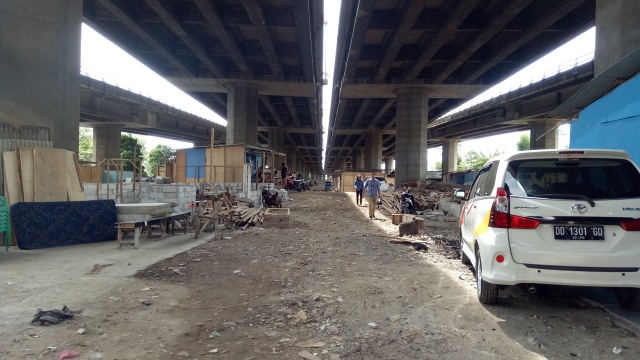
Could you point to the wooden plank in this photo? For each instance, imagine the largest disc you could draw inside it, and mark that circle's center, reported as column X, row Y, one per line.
column 74, row 184
column 26, row 164
column 50, row 174
column 13, row 188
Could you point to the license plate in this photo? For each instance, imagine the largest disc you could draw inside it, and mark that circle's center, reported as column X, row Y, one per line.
column 578, row 232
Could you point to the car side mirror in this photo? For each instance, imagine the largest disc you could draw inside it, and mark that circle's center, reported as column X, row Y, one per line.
column 460, row 194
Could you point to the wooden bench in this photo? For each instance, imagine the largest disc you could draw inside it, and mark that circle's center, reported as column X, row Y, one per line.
column 166, row 223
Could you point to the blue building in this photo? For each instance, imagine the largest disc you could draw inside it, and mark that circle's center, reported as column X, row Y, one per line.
column 612, row 122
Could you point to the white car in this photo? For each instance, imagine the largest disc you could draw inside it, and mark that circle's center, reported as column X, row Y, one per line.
column 559, row 217
column 383, row 184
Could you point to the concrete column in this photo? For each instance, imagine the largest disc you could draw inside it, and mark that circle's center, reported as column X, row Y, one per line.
column 617, row 34
column 449, row 156
column 546, row 133
column 39, row 67
column 242, row 114
column 388, row 164
column 106, row 141
column 411, row 135
column 373, row 150
column 276, row 139
column 292, row 158
column 358, row 159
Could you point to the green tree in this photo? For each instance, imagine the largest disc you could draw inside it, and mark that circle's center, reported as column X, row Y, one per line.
column 524, row 143
column 85, row 144
column 128, row 146
column 159, row 155
column 474, row 160
column 438, row 165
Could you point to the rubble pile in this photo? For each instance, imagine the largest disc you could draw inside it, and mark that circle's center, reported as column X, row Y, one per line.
column 426, row 196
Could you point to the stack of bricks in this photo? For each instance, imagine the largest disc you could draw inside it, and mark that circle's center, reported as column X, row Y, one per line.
column 179, row 194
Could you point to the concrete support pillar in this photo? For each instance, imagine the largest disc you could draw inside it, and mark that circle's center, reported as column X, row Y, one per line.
column 242, row 114
column 373, row 150
column 411, row 135
column 544, row 135
column 388, row 164
column 106, row 141
column 292, row 158
column 276, row 139
column 358, row 159
column 449, row 156
column 39, row 64
column 276, row 143
column 617, row 34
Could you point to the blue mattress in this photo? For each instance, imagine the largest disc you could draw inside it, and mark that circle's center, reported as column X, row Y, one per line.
column 40, row 225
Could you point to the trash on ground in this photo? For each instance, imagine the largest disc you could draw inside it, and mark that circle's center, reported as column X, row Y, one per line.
column 51, row 317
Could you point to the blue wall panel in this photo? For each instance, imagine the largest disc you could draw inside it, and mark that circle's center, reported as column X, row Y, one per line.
column 195, row 163
column 612, row 122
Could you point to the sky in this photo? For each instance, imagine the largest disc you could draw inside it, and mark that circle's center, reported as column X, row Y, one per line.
column 103, row 60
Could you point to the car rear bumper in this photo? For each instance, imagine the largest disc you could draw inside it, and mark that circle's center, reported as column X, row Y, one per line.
column 511, row 273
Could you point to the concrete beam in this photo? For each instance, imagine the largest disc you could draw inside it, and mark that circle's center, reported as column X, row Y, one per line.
column 388, row 91
column 277, row 88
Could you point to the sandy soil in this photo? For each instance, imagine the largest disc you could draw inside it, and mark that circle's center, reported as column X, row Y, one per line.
column 332, row 286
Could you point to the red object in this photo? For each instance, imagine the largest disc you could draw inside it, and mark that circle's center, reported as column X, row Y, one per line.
column 67, row 354
column 500, row 258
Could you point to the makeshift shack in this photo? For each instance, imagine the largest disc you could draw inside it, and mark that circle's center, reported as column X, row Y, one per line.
column 347, row 178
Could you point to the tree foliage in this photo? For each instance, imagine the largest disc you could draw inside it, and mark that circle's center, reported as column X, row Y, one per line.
column 474, row 160
column 524, row 143
column 85, row 144
column 159, row 155
column 128, row 146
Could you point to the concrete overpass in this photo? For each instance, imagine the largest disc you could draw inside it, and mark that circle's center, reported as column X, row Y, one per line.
column 102, row 104
column 426, row 58
column 259, row 64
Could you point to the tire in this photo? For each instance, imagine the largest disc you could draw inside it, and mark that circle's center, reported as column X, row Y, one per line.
column 487, row 292
column 463, row 257
column 629, row 298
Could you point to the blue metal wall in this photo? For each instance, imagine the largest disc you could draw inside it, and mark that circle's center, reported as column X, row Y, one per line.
column 195, row 158
column 612, row 122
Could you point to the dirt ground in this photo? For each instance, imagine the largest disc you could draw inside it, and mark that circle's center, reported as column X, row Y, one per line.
column 332, row 286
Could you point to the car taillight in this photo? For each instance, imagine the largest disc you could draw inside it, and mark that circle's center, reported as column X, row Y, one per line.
column 500, row 217
column 631, row 225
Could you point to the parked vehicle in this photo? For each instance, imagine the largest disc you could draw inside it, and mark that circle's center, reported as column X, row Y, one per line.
column 270, row 198
column 407, row 203
column 560, row 217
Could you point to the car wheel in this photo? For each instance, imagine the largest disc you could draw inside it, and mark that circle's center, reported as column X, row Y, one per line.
column 463, row 257
column 487, row 292
column 629, row 298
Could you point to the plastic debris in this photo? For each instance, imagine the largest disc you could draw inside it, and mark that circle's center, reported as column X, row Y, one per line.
column 617, row 350
column 67, row 354
column 52, row 316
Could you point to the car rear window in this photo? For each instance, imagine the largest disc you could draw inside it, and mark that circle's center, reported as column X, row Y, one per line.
column 380, row 178
column 595, row 178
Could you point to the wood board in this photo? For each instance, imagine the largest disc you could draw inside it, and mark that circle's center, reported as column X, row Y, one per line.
column 12, row 185
column 50, row 174
column 26, row 171
column 75, row 191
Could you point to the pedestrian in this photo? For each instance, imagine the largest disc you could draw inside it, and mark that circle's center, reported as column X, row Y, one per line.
column 358, row 185
column 283, row 173
column 372, row 190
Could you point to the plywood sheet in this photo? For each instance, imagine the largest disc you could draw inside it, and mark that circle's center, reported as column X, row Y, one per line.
column 181, row 162
column 12, row 186
column 50, row 174
column 26, row 164
column 74, row 185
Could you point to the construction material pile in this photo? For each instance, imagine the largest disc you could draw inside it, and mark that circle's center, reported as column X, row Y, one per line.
column 426, row 196
column 235, row 213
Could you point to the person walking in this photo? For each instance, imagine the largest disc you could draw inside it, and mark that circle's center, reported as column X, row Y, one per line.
column 358, row 185
column 284, row 171
column 372, row 190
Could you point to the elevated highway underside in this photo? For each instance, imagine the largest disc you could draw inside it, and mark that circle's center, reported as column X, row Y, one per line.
column 243, row 59
column 445, row 51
